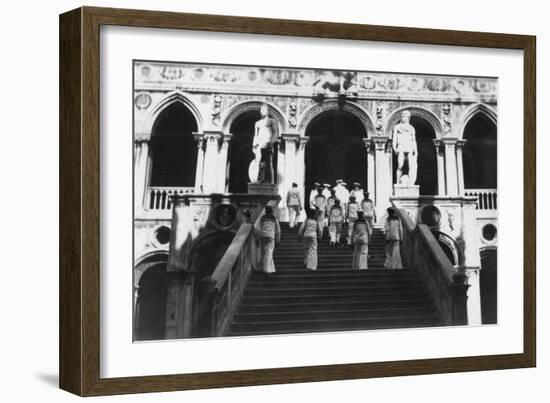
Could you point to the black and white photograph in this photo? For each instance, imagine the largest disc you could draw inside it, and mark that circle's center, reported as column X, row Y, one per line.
column 278, row 200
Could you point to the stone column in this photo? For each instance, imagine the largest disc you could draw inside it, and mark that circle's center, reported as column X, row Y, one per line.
column 211, row 157
column 200, row 162
column 460, row 166
column 383, row 176
column 440, row 167
column 370, row 169
column 141, row 164
column 469, row 241
column 301, row 169
column 180, row 233
column 279, row 177
column 136, row 308
column 473, row 303
column 222, row 168
column 451, row 173
column 289, row 173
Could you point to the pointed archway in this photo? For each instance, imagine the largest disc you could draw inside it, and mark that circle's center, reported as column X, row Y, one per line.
column 480, row 152
column 336, row 149
column 172, row 147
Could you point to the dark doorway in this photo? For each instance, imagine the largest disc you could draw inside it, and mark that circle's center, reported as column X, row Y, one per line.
column 480, row 153
column 173, row 148
column 488, row 286
column 426, row 176
column 336, row 149
column 150, row 321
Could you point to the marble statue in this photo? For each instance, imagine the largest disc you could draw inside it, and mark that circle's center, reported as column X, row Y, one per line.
column 404, row 145
column 266, row 134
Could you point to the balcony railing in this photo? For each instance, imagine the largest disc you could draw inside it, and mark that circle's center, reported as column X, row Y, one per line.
column 486, row 198
column 159, row 196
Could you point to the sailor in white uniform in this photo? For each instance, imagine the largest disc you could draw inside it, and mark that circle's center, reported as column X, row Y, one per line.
column 342, row 194
column 357, row 192
column 312, row 193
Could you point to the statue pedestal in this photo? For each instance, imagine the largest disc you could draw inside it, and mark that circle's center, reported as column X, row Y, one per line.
column 406, row 190
column 262, row 188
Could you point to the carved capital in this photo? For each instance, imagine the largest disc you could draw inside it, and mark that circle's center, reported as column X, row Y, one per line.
column 290, row 138
column 141, row 140
column 303, row 142
column 380, row 142
column 460, row 144
column 367, row 143
column 438, row 145
column 449, row 142
column 199, row 139
column 213, row 137
column 225, row 139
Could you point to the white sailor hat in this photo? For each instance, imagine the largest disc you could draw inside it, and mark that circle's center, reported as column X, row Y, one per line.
column 317, row 184
column 356, row 184
column 339, row 181
column 326, row 185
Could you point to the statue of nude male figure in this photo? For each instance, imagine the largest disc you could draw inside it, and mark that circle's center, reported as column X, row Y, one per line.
column 404, row 145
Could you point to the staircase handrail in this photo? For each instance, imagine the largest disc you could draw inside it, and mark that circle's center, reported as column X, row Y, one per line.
column 421, row 251
column 227, row 282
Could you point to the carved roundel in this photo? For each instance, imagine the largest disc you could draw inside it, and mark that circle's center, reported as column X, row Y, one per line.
column 143, row 100
column 145, row 71
column 489, row 233
column 431, row 216
column 225, row 216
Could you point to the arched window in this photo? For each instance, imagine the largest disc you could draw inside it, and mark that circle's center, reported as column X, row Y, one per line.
column 173, row 150
column 480, row 153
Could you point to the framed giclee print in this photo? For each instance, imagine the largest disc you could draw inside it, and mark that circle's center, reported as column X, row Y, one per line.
column 250, row 201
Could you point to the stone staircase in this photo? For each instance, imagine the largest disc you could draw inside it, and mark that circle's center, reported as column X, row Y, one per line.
column 333, row 298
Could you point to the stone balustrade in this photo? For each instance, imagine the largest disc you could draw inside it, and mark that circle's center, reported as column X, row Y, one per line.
column 486, row 198
column 159, row 197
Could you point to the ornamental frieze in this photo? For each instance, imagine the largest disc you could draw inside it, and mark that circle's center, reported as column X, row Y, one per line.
column 307, row 82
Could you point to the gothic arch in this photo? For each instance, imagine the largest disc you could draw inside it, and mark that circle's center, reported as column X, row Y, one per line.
column 470, row 112
column 313, row 111
column 418, row 111
column 169, row 99
column 148, row 260
column 450, row 242
column 253, row 105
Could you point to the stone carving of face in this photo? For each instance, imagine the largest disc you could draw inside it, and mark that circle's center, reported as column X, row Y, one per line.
column 405, row 117
column 263, row 110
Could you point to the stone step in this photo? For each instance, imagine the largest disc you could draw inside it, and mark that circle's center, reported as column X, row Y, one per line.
column 345, row 324
column 277, row 281
column 315, row 284
column 336, row 305
column 372, row 272
column 334, row 297
column 332, row 289
column 331, row 314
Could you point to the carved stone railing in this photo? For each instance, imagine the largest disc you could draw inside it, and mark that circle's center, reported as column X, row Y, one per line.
column 159, row 197
column 486, row 198
column 227, row 283
column 420, row 251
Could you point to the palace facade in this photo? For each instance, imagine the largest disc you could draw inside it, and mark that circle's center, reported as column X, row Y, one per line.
column 193, row 130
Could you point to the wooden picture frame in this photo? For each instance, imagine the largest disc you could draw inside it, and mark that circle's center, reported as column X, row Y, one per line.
column 80, row 200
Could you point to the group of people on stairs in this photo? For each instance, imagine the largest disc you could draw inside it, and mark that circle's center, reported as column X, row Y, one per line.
column 352, row 207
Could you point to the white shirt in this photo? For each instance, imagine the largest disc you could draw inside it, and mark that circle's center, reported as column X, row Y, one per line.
column 342, row 193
